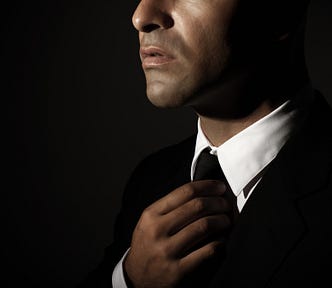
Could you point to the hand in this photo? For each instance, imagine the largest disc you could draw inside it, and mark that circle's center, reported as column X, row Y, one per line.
column 178, row 233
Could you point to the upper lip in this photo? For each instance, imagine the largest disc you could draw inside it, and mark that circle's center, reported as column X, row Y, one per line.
column 152, row 51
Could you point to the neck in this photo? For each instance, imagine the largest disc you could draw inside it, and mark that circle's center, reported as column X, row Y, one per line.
column 235, row 105
column 219, row 130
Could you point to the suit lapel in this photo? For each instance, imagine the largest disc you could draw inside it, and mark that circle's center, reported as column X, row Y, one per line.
column 177, row 172
column 271, row 224
column 183, row 165
column 267, row 230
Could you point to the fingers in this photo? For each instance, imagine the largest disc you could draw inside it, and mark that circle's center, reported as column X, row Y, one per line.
column 193, row 210
column 185, row 193
column 193, row 260
column 198, row 231
column 178, row 230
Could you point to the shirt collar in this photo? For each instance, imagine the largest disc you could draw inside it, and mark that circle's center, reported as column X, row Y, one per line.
column 246, row 154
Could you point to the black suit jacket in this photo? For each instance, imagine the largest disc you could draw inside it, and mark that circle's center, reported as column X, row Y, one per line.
column 283, row 235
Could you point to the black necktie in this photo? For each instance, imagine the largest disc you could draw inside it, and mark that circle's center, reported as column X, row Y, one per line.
column 208, row 168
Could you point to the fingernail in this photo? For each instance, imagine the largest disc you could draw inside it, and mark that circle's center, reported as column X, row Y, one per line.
column 222, row 186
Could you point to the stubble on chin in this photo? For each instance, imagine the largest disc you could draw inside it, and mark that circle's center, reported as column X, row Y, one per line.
column 162, row 96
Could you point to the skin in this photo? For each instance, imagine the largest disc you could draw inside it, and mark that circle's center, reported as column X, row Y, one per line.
column 198, row 46
column 228, row 94
column 162, row 251
column 226, row 85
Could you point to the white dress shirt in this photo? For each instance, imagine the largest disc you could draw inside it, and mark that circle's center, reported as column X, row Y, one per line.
column 244, row 157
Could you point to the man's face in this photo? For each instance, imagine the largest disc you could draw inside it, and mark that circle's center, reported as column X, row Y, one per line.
column 184, row 46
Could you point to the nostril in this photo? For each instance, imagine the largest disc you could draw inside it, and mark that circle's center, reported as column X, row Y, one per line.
column 150, row 27
column 166, row 23
column 148, row 18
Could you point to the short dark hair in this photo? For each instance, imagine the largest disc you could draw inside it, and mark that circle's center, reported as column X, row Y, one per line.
column 257, row 22
column 282, row 15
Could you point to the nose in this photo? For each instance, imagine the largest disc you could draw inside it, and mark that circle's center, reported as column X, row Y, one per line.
column 151, row 15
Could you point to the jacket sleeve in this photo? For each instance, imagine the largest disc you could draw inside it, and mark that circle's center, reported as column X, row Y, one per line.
column 133, row 203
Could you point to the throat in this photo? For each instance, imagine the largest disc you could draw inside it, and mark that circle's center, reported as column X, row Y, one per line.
column 219, row 130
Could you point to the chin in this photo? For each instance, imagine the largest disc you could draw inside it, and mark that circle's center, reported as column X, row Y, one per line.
column 162, row 96
column 164, row 100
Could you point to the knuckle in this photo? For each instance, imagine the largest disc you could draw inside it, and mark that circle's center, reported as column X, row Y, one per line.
column 164, row 250
column 225, row 204
column 148, row 224
column 222, row 203
column 212, row 249
column 225, row 220
column 203, row 226
column 148, row 215
column 160, row 251
column 198, row 205
column 188, row 190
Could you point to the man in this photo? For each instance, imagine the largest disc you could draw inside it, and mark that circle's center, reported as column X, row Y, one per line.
column 263, row 220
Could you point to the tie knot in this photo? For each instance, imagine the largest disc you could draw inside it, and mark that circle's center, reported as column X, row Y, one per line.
column 208, row 167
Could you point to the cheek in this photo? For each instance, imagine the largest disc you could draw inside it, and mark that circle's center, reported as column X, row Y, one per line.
column 204, row 32
column 209, row 48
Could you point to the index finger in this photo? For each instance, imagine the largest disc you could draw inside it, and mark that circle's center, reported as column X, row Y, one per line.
column 187, row 192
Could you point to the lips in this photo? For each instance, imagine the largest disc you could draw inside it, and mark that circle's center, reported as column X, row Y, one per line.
column 153, row 57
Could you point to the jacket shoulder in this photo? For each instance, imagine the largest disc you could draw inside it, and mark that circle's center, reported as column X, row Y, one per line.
column 169, row 155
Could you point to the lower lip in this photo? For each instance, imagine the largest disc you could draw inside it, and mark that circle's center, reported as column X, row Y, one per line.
column 156, row 61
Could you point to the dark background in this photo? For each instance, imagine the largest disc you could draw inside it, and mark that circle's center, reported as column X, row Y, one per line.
column 77, row 123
